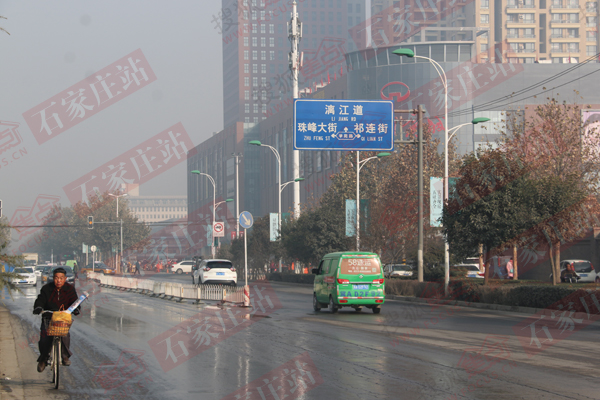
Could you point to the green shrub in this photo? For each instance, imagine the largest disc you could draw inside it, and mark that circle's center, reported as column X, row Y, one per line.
column 464, row 290
column 537, row 296
column 292, row 278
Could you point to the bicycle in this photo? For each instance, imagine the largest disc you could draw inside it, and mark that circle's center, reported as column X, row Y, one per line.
column 56, row 329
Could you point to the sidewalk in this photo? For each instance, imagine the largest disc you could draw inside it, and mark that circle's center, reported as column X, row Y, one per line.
column 19, row 378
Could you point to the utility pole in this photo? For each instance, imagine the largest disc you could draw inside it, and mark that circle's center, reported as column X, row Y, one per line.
column 295, row 62
column 419, row 111
column 237, row 194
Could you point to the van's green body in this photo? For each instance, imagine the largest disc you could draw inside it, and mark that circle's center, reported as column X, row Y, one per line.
column 349, row 279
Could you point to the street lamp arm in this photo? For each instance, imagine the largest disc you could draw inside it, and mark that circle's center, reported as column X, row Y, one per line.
column 363, row 162
column 274, row 150
column 455, row 129
column 438, row 69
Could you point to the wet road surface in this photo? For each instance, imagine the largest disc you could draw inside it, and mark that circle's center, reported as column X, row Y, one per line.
column 409, row 351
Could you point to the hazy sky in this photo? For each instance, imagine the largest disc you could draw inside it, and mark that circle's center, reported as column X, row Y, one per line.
column 54, row 45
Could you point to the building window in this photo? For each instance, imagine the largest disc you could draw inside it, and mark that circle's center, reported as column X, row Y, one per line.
column 485, row 18
column 264, row 108
column 263, row 42
column 484, row 47
column 263, row 29
column 255, row 108
column 254, row 41
column 254, row 81
column 247, row 108
column 255, row 95
column 245, row 41
column 254, row 15
column 339, row 29
column 358, row 8
column 339, row 17
column 247, row 120
column 331, row 29
column 556, row 33
column 245, row 54
column 556, row 46
column 254, row 55
column 349, row 7
column 245, row 14
column 263, row 80
column 255, row 68
column 254, row 28
column 271, row 42
column 591, row 50
column 263, row 55
column 272, row 55
column 485, row 4
column 574, row 47
column 590, row 21
column 246, row 95
column 246, row 68
column 591, row 36
column 263, row 68
column 262, row 15
column 255, row 119
column 271, row 28
column 246, row 81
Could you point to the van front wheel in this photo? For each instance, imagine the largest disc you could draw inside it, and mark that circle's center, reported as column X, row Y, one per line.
column 316, row 304
column 332, row 307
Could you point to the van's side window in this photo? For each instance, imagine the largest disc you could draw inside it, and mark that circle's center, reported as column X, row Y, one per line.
column 326, row 264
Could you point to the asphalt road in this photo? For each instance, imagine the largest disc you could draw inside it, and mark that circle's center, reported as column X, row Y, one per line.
column 398, row 354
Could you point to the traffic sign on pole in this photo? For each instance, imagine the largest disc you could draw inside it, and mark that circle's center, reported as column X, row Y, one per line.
column 219, row 229
column 362, row 125
column 246, row 220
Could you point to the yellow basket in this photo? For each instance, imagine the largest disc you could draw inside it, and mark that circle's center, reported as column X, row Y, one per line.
column 58, row 328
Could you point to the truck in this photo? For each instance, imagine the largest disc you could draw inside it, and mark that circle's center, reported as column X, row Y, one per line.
column 30, row 259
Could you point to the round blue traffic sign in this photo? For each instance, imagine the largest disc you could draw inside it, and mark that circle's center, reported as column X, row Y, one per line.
column 246, row 220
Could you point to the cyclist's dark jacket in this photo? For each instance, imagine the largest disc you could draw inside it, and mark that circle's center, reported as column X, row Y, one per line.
column 51, row 298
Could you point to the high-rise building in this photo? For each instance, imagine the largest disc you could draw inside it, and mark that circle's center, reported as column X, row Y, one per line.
column 514, row 31
column 256, row 74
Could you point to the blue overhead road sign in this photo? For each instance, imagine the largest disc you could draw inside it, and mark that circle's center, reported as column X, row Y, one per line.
column 343, row 125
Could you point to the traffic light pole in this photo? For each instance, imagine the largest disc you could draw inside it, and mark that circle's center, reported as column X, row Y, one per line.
column 419, row 111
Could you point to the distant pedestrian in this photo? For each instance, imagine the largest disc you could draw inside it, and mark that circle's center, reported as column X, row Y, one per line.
column 510, row 269
column 137, row 268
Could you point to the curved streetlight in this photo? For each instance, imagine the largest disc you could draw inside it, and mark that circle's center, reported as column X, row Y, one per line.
column 359, row 165
column 212, row 244
column 118, row 264
column 281, row 185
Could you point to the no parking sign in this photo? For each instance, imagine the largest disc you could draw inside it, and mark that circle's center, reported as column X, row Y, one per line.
column 219, row 229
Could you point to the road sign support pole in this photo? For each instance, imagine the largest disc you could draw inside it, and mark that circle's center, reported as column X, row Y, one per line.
column 246, row 288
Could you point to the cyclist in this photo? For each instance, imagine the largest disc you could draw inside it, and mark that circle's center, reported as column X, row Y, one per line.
column 52, row 296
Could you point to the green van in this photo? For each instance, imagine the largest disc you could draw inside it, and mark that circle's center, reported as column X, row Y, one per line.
column 349, row 279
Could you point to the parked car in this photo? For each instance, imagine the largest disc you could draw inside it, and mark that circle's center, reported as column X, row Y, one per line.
column 26, row 276
column 215, row 272
column 397, row 270
column 184, row 266
column 98, row 267
column 584, row 271
column 472, row 270
column 349, row 279
column 70, row 274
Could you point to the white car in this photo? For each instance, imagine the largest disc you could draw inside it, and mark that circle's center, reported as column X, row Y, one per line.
column 583, row 268
column 184, row 266
column 215, row 272
column 397, row 270
column 26, row 276
column 472, row 270
column 38, row 270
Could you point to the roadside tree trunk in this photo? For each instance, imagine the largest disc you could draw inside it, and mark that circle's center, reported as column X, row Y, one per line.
column 516, row 270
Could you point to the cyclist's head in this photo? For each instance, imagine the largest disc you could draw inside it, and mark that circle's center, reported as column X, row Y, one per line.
column 59, row 276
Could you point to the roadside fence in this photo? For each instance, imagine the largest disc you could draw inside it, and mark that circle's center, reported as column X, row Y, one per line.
column 232, row 294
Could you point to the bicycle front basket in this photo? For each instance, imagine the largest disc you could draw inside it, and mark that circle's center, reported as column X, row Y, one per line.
column 58, row 328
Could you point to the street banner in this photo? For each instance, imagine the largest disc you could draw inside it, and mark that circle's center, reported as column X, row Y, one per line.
column 274, row 226
column 350, row 217
column 436, row 196
column 358, row 125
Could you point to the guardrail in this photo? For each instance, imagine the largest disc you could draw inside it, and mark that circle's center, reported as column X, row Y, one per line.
column 233, row 294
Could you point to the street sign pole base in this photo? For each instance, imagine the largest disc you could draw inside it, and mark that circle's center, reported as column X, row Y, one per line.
column 246, row 296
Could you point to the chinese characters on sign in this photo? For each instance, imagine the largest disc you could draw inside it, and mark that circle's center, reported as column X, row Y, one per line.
column 343, row 125
column 210, row 327
column 138, row 165
column 90, row 96
column 288, row 381
column 436, row 188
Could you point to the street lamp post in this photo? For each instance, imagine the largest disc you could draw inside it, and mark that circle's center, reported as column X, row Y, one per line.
column 117, row 263
column 359, row 165
column 281, row 185
column 444, row 79
column 212, row 244
column 237, row 194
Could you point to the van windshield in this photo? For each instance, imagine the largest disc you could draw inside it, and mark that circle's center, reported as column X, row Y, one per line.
column 357, row 266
